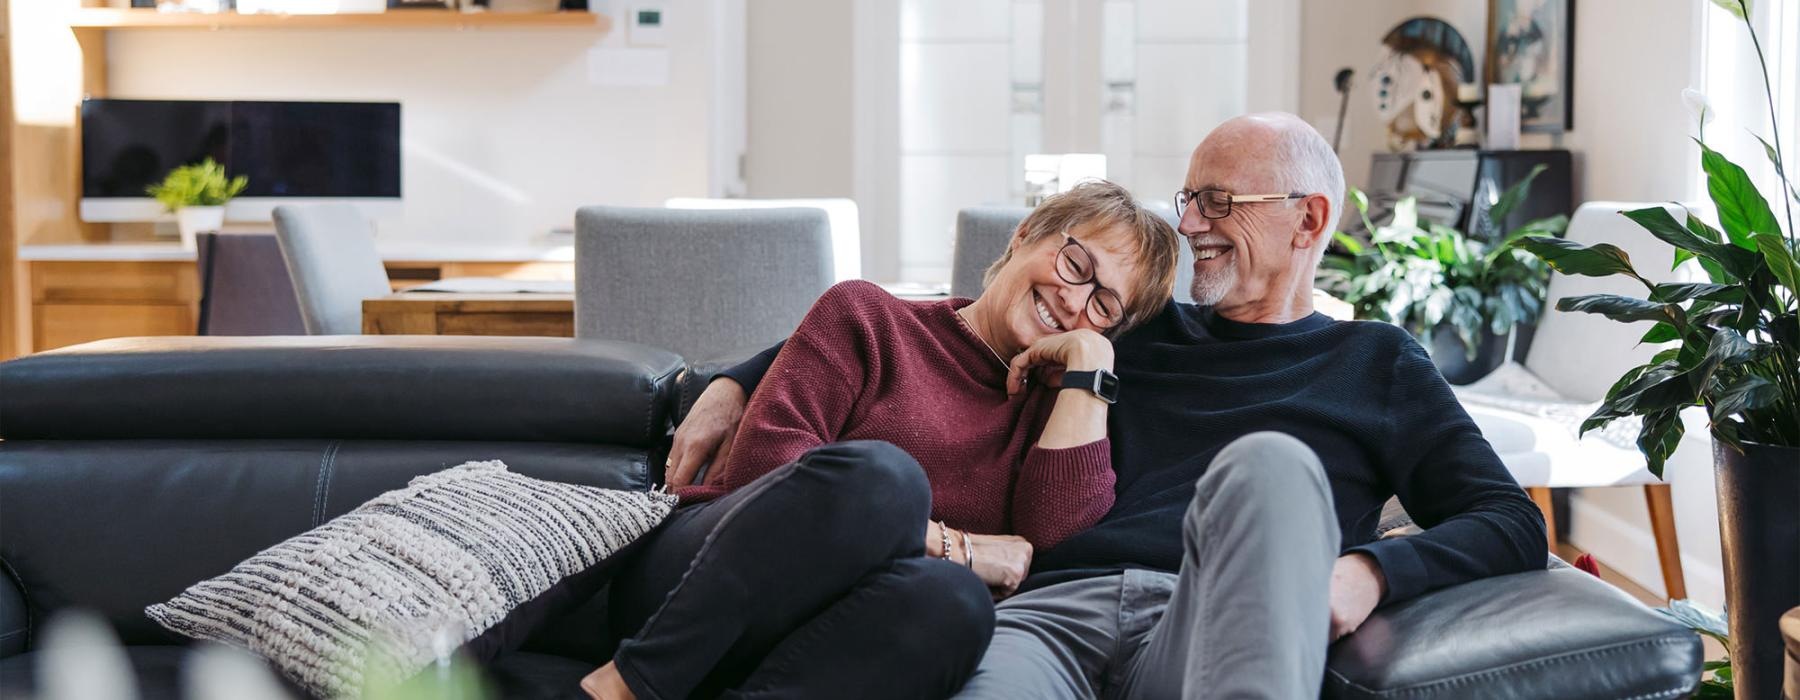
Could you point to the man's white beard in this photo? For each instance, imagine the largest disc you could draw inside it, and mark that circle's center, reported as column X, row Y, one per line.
column 1209, row 288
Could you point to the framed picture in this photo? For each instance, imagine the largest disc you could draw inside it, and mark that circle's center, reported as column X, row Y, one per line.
column 1531, row 43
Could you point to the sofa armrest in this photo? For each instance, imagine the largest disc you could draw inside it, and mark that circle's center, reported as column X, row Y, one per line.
column 1559, row 633
column 15, row 614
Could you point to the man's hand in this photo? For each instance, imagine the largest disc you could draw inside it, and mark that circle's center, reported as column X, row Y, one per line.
column 1000, row 560
column 705, row 435
column 1077, row 350
column 1357, row 586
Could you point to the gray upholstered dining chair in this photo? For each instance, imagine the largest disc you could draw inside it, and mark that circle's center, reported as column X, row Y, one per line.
column 244, row 286
column 330, row 253
column 701, row 283
column 982, row 234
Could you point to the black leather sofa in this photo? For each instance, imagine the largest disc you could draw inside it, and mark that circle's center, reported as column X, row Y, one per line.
column 132, row 468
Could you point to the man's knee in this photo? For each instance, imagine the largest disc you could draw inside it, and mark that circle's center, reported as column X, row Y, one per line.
column 1260, row 471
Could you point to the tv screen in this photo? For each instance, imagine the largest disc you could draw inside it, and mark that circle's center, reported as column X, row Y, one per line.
column 286, row 149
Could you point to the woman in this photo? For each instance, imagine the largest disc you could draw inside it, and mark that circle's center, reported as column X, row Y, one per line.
column 895, row 469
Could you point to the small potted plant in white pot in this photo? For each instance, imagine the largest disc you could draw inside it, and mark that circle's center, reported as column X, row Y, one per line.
column 197, row 194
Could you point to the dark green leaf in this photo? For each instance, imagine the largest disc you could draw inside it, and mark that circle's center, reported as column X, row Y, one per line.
column 1619, row 308
column 1728, row 347
column 1742, row 210
column 1665, row 228
column 1665, row 355
column 1662, row 332
column 1780, row 260
column 1659, row 437
column 1676, row 292
column 1571, row 258
column 1512, row 196
column 1750, row 392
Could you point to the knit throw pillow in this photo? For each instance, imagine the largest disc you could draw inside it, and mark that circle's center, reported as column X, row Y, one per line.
column 454, row 559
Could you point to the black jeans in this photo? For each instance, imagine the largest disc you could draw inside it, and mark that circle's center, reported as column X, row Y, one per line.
column 811, row 582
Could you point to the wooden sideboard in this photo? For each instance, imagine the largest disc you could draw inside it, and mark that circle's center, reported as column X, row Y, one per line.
column 75, row 301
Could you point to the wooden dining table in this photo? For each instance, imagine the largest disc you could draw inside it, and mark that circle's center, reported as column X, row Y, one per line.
column 457, row 313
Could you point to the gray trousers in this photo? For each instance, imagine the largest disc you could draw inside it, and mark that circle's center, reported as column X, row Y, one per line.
column 1247, row 617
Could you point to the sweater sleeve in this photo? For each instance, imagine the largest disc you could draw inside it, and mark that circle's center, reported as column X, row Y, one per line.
column 750, row 372
column 1061, row 491
column 1477, row 521
column 806, row 396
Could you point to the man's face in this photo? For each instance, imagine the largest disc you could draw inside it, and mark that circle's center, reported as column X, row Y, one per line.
column 1238, row 259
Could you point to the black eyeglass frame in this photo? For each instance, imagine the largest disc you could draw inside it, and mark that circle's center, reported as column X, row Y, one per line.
column 1092, row 278
column 1183, row 198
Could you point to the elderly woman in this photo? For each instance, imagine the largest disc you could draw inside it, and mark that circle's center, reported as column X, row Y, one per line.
column 895, row 470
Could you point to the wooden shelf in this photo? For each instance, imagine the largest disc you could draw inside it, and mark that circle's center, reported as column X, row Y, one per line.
column 94, row 18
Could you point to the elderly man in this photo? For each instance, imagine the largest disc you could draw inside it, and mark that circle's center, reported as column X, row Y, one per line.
column 1245, row 423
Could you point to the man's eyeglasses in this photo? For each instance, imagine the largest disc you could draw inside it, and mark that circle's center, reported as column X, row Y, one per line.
column 1075, row 265
column 1216, row 204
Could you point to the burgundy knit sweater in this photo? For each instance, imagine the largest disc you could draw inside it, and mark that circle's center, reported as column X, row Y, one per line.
column 864, row 365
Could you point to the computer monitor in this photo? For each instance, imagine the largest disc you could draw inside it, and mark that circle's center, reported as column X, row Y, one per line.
column 292, row 153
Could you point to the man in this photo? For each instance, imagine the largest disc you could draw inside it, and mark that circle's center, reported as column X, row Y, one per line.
column 1244, row 423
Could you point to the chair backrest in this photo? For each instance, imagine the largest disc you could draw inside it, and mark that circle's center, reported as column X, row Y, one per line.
column 983, row 232
column 700, row 283
column 330, row 253
column 244, row 286
column 846, row 226
column 1579, row 354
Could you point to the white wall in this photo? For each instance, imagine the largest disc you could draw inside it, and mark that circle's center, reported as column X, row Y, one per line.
column 504, row 137
column 1632, row 59
column 800, row 70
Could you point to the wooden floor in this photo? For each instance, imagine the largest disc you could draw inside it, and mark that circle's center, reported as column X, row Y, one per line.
column 1570, row 552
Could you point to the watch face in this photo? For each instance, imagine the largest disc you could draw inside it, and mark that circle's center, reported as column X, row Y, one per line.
column 1106, row 385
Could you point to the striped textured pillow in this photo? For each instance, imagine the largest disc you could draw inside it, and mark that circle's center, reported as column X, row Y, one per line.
column 414, row 573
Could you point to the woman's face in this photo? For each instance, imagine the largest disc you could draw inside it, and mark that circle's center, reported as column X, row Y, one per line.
column 1029, row 300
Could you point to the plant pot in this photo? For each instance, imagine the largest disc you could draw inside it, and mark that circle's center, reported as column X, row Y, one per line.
column 1759, row 528
column 1447, row 353
column 193, row 220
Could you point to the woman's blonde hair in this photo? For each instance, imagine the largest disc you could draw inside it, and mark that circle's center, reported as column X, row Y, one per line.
column 1153, row 241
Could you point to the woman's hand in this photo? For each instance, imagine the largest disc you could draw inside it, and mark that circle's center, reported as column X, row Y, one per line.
column 1077, row 350
column 705, row 435
column 1002, row 561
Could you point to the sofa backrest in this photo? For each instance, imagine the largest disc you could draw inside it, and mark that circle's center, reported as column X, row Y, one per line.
column 132, row 469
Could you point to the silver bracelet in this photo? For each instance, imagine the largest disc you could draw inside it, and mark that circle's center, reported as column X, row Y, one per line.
column 968, row 549
column 944, row 537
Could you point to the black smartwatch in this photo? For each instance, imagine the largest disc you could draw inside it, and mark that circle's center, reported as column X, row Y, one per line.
column 1101, row 383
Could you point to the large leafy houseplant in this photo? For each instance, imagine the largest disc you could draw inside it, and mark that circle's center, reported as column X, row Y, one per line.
column 1423, row 275
column 1733, row 348
column 1735, row 338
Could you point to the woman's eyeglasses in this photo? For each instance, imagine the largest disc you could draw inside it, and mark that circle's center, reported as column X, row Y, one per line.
column 1075, row 265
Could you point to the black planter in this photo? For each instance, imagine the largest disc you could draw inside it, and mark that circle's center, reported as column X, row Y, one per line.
column 1759, row 527
column 1447, row 353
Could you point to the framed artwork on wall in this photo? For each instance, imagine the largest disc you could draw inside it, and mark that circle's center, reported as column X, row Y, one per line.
column 1531, row 43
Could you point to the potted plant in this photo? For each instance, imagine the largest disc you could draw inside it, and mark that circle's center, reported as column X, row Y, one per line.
column 1734, row 350
column 197, row 194
column 1460, row 296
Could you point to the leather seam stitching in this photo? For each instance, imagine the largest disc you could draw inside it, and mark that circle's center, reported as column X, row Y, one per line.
column 23, row 594
column 326, row 462
column 1562, row 658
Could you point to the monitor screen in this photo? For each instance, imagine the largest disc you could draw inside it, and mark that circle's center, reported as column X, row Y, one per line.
column 286, row 149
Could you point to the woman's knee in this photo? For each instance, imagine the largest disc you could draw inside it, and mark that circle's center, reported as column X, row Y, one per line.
column 949, row 612
column 883, row 482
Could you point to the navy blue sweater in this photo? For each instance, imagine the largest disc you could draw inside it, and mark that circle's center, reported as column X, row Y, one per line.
column 1363, row 395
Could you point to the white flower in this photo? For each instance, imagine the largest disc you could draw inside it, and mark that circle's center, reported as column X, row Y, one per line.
column 1698, row 106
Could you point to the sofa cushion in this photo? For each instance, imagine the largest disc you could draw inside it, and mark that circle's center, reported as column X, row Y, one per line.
column 1560, row 633
column 518, row 676
column 348, row 387
column 454, row 559
column 115, row 525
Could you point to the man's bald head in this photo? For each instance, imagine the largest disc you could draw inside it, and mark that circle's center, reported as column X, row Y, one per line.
column 1283, row 151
